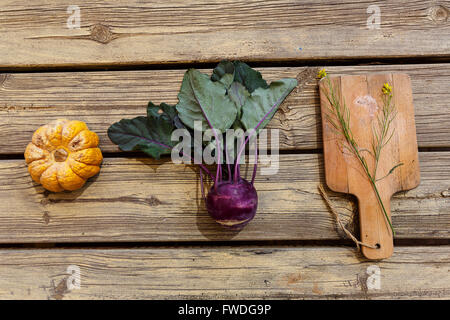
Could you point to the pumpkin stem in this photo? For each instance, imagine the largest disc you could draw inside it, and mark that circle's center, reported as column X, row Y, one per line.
column 60, row 155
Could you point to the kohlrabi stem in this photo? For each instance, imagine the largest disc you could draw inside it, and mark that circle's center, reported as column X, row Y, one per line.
column 201, row 184
column 202, row 167
column 255, row 166
column 253, row 131
column 237, row 171
column 219, row 166
column 228, row 161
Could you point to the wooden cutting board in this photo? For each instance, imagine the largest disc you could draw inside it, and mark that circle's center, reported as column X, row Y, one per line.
column 344, row 173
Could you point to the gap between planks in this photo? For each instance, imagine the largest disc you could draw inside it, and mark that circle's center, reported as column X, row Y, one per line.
column 210, row 65
column 342, row 243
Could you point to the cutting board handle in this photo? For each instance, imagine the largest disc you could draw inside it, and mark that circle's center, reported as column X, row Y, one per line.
column 374, row 227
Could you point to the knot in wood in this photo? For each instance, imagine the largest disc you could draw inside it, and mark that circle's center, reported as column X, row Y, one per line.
column 439, row 14
column 101, row 33
column 3, row 78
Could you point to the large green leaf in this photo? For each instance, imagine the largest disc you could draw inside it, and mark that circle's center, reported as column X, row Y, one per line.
column 224, row 73
column 250, row 78
column 163, row 110
column 201, row 99
column 238, row 94
column 151, row 134
column 224, row 67
column 264, row 103
column 241, row 73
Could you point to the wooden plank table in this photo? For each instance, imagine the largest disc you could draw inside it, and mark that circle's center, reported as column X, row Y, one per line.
column 139, row 229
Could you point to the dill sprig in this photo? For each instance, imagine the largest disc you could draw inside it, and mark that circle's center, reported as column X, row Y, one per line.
column 382, row 133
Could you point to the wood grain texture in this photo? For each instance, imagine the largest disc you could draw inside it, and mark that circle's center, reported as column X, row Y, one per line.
column 29, row 100
column 157, row 32
column 224, row 273
column 145, row 200
column 365, row 105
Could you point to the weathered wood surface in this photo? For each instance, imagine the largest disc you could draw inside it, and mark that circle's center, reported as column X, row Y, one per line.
column 145, row 200
column 224, row 273
column 28, row 101
column 134, row 200
column 158, row 32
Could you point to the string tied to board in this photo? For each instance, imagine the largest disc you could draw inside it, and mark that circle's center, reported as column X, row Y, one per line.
column 339, row 222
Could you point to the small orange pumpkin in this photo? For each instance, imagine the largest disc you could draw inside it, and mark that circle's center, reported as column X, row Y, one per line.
column 63, row 154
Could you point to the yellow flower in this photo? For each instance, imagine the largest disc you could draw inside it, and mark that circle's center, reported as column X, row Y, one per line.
column 387, row 89
column 322, row 74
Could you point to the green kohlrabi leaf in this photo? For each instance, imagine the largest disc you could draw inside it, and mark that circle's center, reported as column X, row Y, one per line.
column 241, row 72
column 249, row 77
column 262, row 101
column 238, row 94
column 227, row 80
column 201, row 99
column 224, row 73
column 162, row 110
column 151, row 134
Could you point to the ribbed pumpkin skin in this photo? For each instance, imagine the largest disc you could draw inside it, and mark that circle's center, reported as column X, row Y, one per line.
column 63, row 154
